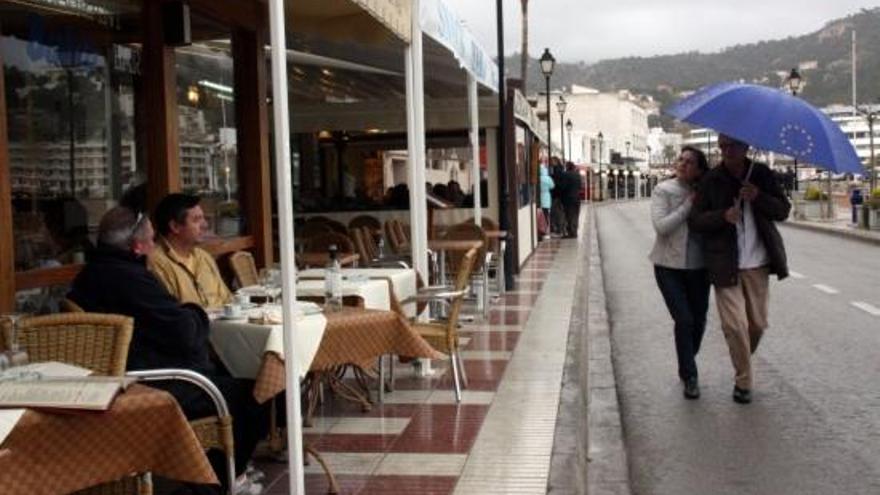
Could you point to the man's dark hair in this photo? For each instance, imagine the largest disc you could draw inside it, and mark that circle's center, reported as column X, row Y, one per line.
column 173, row 207
column 702, row 162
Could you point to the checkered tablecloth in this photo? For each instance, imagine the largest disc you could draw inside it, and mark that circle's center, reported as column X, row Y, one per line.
column 61, row 452
column 352, row 336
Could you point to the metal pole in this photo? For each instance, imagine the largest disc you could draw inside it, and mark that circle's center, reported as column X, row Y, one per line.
column 873, row 172
column 281, row 125
column 569, row 146
column 562, row 135
column 475, row 147
column 503, row 196
column 417, row 194
column 549, row 138
column 601, row 186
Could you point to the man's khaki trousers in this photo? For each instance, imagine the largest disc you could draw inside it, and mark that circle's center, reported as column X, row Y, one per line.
column 743, row 312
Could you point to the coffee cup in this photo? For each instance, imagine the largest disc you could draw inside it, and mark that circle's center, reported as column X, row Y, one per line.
column 242, row 299
column 232, row 310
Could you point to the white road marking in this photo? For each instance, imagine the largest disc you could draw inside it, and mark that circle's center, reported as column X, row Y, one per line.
column 826, row 289
column 796, row 274
column 867, row 308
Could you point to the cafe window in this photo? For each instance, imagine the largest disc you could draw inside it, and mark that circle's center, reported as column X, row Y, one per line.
column 207, row 127
column 69, row 72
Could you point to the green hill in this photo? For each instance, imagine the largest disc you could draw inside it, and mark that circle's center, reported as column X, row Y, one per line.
column 664, row 77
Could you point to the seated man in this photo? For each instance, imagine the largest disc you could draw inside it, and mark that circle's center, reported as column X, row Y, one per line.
column 167, row 334
column 187, row 271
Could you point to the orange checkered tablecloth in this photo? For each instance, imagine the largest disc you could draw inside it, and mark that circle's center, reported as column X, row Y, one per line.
column 144, row 431
column 352, row 336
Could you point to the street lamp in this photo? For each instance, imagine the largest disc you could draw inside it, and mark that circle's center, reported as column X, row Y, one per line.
column 560, row 105
column 601, row 188
column 628, row 144
column 870, row 113
column 795, row 84
column 568, row 127
column 547, row 64
column 615, row 172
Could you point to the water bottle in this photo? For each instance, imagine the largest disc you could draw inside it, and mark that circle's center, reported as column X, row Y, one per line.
column 333, row 281
column 381, row 253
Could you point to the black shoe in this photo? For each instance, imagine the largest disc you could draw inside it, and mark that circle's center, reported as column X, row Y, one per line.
column 691, row 388
column 742, row 395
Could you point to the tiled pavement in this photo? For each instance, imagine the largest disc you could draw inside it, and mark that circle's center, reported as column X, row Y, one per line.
column 498, row 440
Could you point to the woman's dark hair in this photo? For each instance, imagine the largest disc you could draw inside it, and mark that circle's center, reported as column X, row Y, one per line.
column 173, row 207
column 702, row 162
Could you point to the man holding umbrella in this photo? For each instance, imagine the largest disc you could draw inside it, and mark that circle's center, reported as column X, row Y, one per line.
column 735, row 210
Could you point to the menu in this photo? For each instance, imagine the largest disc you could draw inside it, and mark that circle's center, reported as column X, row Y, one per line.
column 89, row 393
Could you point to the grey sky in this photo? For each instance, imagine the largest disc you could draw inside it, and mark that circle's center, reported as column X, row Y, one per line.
column 591, row 30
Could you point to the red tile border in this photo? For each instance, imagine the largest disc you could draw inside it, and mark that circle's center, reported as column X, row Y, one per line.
column 442, row 428
column 399, row 485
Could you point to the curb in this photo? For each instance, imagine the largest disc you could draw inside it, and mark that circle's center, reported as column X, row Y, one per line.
column 608, row 470
column 855, row 235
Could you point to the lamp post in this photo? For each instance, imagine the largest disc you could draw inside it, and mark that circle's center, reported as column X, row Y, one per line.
column 601, row 175
column 871, row 114
column 795, row 83
column 547, row 64
column 560, row 105
column 568, row 127
column 615, row 172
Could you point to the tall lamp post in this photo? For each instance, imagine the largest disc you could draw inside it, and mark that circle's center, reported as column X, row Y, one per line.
column 795, row 83
column 616, row 194
column 601, row 175
column 547, row 64
column 568, row 127
column 560, row 105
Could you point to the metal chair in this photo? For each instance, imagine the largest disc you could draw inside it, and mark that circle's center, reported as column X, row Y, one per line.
column 480, row 273
column 443, row 336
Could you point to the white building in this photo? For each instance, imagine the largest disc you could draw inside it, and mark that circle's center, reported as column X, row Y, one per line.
column 663, row 147
column 620, row 116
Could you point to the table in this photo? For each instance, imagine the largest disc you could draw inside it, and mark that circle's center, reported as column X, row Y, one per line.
column 402, row 281
column 50, row 453
column 322, row 258
column 374, row 293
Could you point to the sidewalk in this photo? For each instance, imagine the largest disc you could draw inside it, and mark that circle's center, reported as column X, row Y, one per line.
column 504, row 437
column 840, row 226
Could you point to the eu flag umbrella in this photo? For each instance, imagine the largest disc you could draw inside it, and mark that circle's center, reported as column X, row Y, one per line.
column 773, row 120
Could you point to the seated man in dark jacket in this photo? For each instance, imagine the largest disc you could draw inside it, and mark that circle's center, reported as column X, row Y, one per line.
column 736, row 208
column 167, row 334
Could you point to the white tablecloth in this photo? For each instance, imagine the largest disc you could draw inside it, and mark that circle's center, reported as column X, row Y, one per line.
column 403, row 281
column 241, row 345
column 373, row 292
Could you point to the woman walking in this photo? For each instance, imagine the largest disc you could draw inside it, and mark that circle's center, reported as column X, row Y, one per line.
column 678, row 263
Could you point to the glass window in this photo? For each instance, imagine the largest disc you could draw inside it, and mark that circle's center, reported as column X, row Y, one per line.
column 208, row 140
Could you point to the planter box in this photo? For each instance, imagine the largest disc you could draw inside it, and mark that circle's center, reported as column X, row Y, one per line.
column 874, row 219
column 814, row 210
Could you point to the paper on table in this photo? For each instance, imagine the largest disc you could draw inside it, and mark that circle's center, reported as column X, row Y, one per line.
column 54, row 368
column 8, row 419
column 95, row 393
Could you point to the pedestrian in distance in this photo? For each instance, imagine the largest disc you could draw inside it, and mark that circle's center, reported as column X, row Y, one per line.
column 547, row 185
column 736, row 210
column 678, row 263
column 571, row 200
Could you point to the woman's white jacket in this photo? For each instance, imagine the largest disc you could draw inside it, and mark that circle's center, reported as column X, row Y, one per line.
column 670, row 207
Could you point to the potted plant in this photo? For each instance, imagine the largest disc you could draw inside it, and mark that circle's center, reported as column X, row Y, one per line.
column 872, row 207
column 814, row 203
column 228, row 218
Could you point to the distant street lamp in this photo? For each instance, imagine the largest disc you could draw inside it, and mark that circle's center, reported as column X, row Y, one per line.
column 615, row 172
column 601, row 188
column 795, row 84
column 568, row 127
column 560, row 105
column 547, row 64
column 628, row 144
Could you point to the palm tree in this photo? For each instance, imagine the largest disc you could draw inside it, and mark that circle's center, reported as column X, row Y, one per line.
column 524, row 50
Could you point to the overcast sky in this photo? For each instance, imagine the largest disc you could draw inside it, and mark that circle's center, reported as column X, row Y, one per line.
column 592, row 30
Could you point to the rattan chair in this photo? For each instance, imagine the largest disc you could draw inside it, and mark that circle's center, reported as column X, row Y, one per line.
column 244, row 268
column 443, row 336
column 361, row 221
column 322, row 242
column 497, row 247
column 480, row 274
column 311, row 229
column 95, row 341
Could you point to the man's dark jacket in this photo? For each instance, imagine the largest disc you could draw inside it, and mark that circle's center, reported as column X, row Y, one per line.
column 569, row 185
column 166, row 333
column 718, row 191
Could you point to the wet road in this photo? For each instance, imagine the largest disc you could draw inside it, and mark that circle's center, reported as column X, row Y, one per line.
column 814, row 424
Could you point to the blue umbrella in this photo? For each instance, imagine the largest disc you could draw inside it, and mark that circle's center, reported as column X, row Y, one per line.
column 772, row 120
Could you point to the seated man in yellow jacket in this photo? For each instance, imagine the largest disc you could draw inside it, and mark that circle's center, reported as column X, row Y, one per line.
column 187, row 271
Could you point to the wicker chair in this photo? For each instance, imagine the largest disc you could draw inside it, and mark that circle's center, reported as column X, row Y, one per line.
column 244, row 268
column 311, row 229
column 361, row 221
column 322, row 242
column 497, row 246
column 95, row 341
column 480, row 273
column 396, row 237
column 443, row 336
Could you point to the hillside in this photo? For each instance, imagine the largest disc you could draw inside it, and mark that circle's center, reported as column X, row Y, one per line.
column 665, row 76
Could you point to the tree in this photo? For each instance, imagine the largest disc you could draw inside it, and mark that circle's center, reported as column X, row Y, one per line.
column 524, row 52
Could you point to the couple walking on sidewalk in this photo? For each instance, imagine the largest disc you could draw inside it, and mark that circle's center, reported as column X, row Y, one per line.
column 717, row 227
